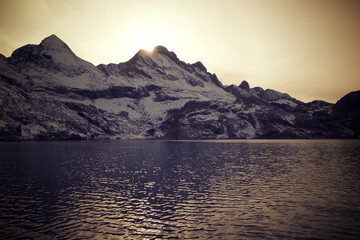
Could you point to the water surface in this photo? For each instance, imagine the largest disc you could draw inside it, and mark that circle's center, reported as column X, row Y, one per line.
column 270, row 189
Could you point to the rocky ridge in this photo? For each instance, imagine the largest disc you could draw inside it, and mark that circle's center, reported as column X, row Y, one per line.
column 48, row 93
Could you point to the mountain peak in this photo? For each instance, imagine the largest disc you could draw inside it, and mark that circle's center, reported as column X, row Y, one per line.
column 53, row 36
column 53, row 42
column 163, row 50
column 244, row 85
column 51, row 54
column 200, row 66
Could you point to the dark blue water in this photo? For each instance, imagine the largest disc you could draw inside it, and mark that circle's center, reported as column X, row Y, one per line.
column 300, row 189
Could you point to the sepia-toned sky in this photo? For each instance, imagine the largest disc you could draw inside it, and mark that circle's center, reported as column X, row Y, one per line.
column 307, row 48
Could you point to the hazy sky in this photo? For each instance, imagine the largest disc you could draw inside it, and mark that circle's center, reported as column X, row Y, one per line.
column 307, row 48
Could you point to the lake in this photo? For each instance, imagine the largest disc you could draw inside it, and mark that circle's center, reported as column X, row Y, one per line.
column 232, row 189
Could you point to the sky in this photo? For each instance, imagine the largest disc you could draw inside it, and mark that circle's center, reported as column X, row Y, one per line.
column 307, row 48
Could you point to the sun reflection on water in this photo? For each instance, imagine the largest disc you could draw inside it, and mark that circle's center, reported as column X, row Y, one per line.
column 183, row 190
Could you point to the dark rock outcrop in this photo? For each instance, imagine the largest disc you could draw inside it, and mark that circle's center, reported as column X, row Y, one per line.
column 244, row 85
column 347, row 110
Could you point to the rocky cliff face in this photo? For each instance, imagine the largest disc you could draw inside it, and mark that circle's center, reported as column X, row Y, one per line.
column 48, row 93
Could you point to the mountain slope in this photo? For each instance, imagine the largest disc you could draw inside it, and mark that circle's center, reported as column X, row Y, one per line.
column 47, row 92
column 52, row 63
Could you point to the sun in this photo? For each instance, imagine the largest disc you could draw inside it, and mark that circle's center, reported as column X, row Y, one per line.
column 147, row 39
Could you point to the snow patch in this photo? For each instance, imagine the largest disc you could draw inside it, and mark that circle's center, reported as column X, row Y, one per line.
column 286, row 102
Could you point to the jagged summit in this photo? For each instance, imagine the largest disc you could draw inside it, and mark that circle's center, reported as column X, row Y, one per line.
column 159, row 50
column 163, row 65
column 159, row 57
column 163, row 50
column 200, row 66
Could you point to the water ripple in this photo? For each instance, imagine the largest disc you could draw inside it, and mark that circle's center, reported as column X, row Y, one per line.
column 180, row 190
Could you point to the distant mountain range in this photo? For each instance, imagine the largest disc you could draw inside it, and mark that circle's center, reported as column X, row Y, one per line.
column 48, row 93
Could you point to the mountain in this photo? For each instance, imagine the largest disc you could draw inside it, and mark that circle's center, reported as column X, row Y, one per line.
column 48, row 93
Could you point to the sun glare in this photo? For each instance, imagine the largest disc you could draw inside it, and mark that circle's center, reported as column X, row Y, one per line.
column 147, row 39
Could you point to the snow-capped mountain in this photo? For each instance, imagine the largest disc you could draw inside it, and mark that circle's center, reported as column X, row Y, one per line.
column 47, row 92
